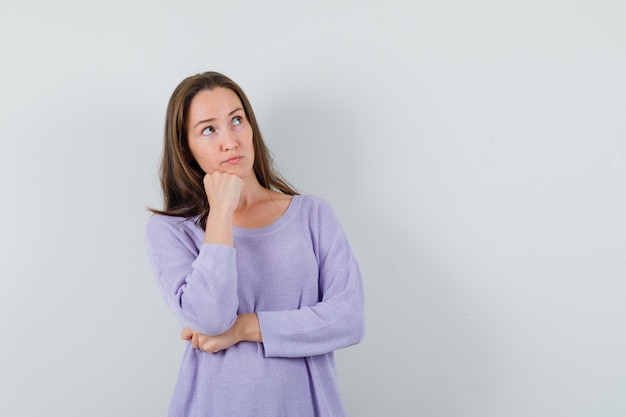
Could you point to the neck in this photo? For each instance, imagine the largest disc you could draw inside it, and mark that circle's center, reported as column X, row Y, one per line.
column 251, row 193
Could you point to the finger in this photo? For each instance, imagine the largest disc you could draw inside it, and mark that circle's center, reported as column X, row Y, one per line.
column 186, row 333
column 208, row 346
column 194, row 340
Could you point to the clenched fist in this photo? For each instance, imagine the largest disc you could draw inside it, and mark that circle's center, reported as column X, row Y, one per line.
column 222, row 190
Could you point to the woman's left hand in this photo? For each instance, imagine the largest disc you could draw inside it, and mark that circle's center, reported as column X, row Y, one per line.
column 209, row 344
column 246, row 328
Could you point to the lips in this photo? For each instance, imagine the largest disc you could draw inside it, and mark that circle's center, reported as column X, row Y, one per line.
column 232, row 160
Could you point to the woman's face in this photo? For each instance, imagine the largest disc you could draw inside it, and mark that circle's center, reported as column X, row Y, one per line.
column 219, row 134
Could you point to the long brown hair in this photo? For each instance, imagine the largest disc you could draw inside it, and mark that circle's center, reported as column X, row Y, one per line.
column 181, row 176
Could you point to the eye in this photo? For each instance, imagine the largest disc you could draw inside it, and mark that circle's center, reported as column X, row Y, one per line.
column 208, row 130
column 237, row 120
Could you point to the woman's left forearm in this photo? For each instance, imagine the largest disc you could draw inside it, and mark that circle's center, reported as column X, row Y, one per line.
column 245, row 329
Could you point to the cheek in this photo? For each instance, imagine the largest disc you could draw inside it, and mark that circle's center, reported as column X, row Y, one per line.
column 202, row 159
column 249, row 140
column 205, row 164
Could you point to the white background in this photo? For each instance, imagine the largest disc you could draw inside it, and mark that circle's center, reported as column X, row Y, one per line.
column 474, row 150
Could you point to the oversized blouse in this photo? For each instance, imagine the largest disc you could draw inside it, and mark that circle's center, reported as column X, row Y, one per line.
column 301, row 278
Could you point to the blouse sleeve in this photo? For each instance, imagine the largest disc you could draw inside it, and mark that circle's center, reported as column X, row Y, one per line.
column 199, row 285
column 338, row 319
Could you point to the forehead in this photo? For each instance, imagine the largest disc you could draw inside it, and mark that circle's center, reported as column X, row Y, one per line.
column 210, row 104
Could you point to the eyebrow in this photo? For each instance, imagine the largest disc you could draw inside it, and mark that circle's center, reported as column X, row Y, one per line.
column 213, row 118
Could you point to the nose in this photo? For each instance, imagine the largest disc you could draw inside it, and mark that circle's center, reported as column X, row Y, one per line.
column 229, row 141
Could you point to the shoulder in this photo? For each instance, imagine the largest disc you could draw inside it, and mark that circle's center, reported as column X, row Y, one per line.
column 313, row 202
column 317, row 210
column 160, row 226
column 160, row 221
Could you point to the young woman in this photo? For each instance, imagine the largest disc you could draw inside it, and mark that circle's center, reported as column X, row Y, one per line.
column 262, row 280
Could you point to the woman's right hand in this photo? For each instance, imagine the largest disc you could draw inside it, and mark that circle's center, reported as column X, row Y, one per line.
column 222, row 190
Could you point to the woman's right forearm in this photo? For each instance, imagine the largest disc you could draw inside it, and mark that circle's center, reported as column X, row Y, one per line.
column 208, row 301
column 219, row 227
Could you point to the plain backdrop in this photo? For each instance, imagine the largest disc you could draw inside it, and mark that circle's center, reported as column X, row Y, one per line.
column 474, row 150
